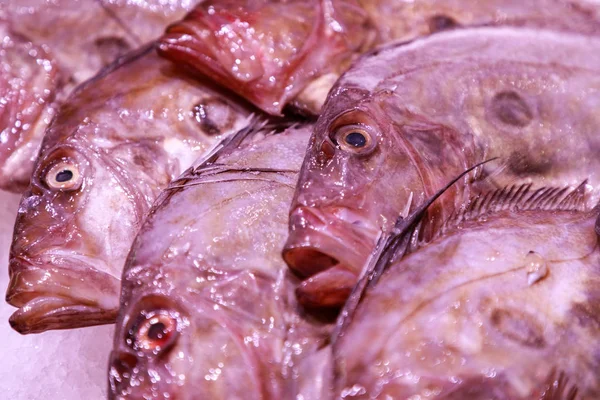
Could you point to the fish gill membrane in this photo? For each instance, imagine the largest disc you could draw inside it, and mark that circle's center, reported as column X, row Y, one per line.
column 113, row 146
column 403, row 121
column 207, row 304
column 501, row 303
column 65, row 365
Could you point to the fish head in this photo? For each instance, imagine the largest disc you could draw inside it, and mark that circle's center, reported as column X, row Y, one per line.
column 105, row 158
column 359, row 175
column 73, row 228
column 171, row 340
column 265, row 51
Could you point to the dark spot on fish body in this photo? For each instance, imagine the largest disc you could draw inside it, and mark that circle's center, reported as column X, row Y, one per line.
column 528, row 164
column 441, row 22
column 511, row 109
column 110, row 48
column 518, row 326
column 587, row 314
column 214, row 116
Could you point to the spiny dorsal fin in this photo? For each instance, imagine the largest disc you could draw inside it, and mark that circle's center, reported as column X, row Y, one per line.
column 518, row 198
column 557, row 387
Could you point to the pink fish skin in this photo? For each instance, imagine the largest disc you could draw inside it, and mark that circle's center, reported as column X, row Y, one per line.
column 47, row 48
column 110, row 150
column 276, row 52
column 501, row 304
column 404, row 121
column 266, row 51
column 207, row 304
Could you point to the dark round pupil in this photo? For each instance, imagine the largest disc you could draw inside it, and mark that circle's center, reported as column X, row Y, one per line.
column 157, row 331
column 64, row 176
column 356, row 139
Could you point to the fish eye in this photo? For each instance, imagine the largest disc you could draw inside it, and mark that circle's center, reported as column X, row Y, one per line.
column 354, row 139
column 63, row 175
column 154, row 332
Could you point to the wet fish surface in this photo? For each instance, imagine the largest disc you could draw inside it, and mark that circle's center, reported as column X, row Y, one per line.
column 118, row 141
column 292, row 52
column 50, row 47
column 500, row 304
column 408, row 118
column 207, row 303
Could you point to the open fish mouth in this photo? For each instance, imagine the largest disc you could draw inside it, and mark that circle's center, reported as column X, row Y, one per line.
column 60, row 297
column 329, row 248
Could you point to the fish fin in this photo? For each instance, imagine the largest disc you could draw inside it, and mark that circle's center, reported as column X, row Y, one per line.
column 390, row 247
column 557, row 387
column 517, row 198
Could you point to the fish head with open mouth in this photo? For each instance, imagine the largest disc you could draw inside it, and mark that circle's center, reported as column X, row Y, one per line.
column 106, row 156
column 349, row 189
column 405, row 119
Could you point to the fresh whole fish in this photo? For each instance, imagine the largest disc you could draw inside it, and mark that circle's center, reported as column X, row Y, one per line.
column 291, row 52
column 402, row 122
column 500, row 304
column 49, row 47
column 207, row 304
column 110, row 150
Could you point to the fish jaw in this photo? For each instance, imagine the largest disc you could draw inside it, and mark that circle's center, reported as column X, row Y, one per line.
column 324, row 245
column 60, row 296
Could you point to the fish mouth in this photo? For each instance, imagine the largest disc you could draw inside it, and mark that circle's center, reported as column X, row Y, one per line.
column 329, row 247
column 60, row 297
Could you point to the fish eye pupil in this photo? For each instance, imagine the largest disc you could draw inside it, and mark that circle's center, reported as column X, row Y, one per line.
column 356, row 139
column 157, row 331
column 64, row 176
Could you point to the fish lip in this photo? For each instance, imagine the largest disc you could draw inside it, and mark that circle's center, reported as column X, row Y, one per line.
column 49, row 304
column 320, row 233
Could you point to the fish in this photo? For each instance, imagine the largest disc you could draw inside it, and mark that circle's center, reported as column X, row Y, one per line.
column 268, row 51
column 110, row 150
column 207, row 303
column 501, row 303
column 278, row 53
column 48, row 48
column 409, row 117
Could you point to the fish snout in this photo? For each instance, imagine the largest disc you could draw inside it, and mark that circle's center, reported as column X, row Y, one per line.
column 328, row 247
column 59, row 293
